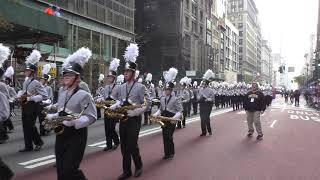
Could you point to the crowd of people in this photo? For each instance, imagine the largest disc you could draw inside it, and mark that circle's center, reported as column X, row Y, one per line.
column 120, row 98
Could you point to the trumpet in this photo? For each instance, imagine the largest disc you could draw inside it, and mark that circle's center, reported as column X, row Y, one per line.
column 105, row 104
column 56, row 124
column 120, row 113
column 161, row 119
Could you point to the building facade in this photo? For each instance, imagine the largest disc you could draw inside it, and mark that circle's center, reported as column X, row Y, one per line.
column 175, row 33
column 229, row 50
column 244, row 15
column 266, row 63
column 105, row 27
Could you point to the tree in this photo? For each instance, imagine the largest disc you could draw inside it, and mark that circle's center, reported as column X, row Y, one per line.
column 299, row 79
column 5, row 25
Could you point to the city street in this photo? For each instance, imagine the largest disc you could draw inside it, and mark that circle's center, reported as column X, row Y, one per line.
column 289, row 149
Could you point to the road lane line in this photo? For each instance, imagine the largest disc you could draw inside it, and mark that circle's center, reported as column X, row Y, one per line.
column 97, row 144
column 285, row 105
column 37, row 160
column 273, row 123
column 41, row 164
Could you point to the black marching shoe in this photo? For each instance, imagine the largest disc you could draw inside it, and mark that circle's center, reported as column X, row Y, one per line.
column 210, row 133
column 259, row 137
column 170, row 157
column 138, row 172
column 115, row 146
column 124, row 176
column 107, row 149
column 26, row 150
column 165, row 157
column 202, row 134
column 249, row 135
column 38, row 147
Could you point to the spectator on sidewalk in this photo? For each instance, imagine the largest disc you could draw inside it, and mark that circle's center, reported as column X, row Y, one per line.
column 296, row 95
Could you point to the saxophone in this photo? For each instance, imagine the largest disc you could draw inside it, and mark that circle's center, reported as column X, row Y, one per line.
column 121, row 112
column 56, row 124
column 24, row 98
column 105, row 104
column 161, row 119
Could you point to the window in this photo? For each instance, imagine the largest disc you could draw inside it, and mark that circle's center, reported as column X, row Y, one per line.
column 187, row 4
column 240, row 33
column 240, row 17
column 194, row 27
column 240, row 41
column 194, row 10
column 187, row 24
column 240, row 49
column 240, row 25
column 201, row 16
column 209, row 38
column 201, row 31
column 209, row 24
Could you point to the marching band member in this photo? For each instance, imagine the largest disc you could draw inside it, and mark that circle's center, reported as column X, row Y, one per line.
column 4, row 54
column 5, row 172
column 206, row 99
column 195, row 92
column 71, row 143
column 170, row 106
column 99, row 93
column 12, row 93
column 185, row 98
column 45, row 78
column 189, row 86
column 110, row 123
column 131, row 93
column 152, row 94
column 31, row 95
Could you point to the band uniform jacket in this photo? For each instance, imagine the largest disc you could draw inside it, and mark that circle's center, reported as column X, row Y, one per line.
column 77, row 103
column 34, row 87
column 174, row 105
column 4, row 107
column 4, row 89
column 111, row 91
column 205, row 93
column 185, row 96
column 49, row 92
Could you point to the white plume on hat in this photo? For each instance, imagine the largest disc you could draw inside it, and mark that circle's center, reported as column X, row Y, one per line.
column 208, row 75
column 149, row 77
column 160, row 83
column 101, row 77
column 195, row 84
column 189, row 81
column 46, row 69
column 170, row 75
column 120, row 78
column 184, row 80
column 4, row 54
column 34, row 57
column 9, row 72
column 115, row 63
column 137, row 74
column 81, row 57
column 131, row 53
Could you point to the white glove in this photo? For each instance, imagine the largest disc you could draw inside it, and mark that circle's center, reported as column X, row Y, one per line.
column 20, row 93
column 69, row 123
column 51, row 116
column 83, row 121
column 100, row 99
column 209, row 99
column 115, row 106
column 48, row 101
column 36, row 98
column 177, row 115
column 184, row 101
column 135, row 112
column 157, row 113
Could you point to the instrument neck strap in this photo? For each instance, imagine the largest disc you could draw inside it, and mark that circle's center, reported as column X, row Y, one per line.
column 166, row 102
column 29, row 84
column 110, row 90
column 68, row 99
column 128, row 92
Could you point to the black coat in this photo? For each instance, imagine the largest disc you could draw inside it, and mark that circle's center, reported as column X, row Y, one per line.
column 254, row 101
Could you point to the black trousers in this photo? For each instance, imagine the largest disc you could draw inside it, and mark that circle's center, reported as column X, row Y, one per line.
column 111, row 133
column 195, row 107
column 5, row 172
column 3, row 132
column 41, row 118
column 205, row 110
column 146, row 117
column 167, row 134
column 98, row 113
column 8, row 125
column 189, row 108
column 69, row 150
column 30, row 132
column 129, row 134
column 185, row 113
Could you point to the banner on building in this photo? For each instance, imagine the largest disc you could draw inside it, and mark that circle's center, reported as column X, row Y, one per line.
column 290, row 69
column 53, row 70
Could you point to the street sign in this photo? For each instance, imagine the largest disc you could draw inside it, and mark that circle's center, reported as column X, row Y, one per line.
column 190, row 73
column 53, row 70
